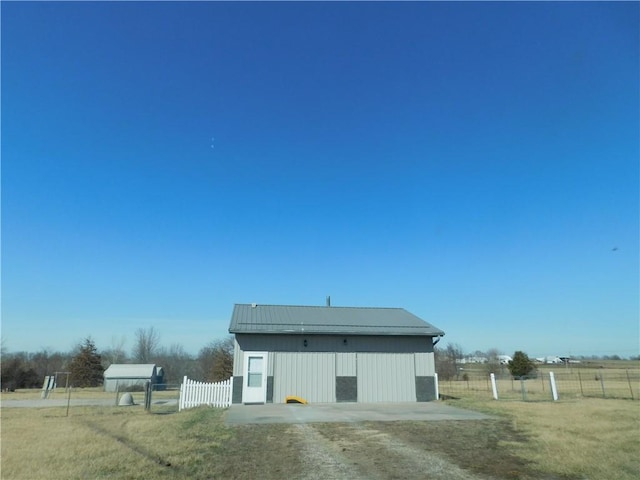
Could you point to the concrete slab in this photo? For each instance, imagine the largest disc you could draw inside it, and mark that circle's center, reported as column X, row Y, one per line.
column 346, row 413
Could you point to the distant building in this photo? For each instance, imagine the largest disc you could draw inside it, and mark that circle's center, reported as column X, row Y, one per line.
column 331, row 354
column 474, row 359
column 120, row 376
column 504, row 359
column 553, row 359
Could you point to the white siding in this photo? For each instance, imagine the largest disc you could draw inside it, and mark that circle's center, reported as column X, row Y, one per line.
column 346, row 364
column 386, row 377
column 270, row 365
column 307, row 375
column 425, row 365
column 238, row 356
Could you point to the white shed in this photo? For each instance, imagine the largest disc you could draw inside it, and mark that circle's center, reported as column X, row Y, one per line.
column 122, row 375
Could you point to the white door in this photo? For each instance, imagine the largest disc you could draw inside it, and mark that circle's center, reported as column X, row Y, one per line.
column 254, row 388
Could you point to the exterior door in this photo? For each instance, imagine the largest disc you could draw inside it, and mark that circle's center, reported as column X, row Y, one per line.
column 254, row 388
column 386, row 377
column 310, row 375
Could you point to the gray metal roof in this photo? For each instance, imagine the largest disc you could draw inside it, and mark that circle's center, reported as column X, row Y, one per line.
column 291, row 319
column 130, row 370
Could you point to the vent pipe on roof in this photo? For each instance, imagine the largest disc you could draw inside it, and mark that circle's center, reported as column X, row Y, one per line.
column 328, row 300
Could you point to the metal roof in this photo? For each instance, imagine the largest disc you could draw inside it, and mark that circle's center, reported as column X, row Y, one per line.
column 292, row 319
column 130, row 370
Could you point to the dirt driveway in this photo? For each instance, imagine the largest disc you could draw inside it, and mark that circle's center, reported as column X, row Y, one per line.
column 357, row 451
column 377, row 441
column 412, row 450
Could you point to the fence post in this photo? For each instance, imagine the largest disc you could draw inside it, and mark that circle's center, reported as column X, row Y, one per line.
column 554, row 388
column 493, row 386
column 69, row 400
column 183, row 394
column 604, row 395
column 147, row 396
column 437, row 387
column 524, row 390
column 630, row 387
column 580, row 380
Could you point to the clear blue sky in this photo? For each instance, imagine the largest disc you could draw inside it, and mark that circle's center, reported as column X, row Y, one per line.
column 476, row 164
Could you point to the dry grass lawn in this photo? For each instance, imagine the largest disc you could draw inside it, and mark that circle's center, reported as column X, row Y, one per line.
column 588, row 438
column 129, row 443
column 571, row 439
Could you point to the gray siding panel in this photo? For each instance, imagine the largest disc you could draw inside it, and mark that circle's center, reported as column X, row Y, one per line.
column 270, row 389
column 236, row 390
column 332, row 343
column 238, row 356
column 307, row 375
column 425, row 389
column 346, row 389
column 385, row 377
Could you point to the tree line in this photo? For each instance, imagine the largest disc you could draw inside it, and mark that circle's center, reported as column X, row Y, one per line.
column 86, row 363
column 449, row 359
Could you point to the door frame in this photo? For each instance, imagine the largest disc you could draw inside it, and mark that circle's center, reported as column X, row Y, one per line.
column 254, row 394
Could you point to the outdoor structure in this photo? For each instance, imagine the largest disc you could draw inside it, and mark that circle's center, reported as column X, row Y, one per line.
column 331, row 354
column 120, row 376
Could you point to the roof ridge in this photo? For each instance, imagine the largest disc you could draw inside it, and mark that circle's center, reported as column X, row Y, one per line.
column 315, row 306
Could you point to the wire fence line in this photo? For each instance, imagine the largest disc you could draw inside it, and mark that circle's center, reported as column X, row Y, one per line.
column 570, row 384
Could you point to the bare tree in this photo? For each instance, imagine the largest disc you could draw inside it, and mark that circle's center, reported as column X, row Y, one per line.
column 146, row 345
column 115, row 353
column 17, row 372
column 447, row 360
column 493, row 362
column 175, row 362
column 46, row 362
column 216, row 360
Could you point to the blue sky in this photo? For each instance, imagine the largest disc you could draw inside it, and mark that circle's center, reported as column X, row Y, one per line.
column 476, row 164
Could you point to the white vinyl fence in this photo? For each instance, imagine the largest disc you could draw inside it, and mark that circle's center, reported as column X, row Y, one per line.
column 193, row 394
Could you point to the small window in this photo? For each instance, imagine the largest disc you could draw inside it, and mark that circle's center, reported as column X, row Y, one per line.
column 255, row 372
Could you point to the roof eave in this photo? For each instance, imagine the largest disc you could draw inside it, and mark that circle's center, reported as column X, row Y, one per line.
column 344, row 332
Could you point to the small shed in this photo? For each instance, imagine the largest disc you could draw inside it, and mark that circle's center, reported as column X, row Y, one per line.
column 120, row 376
column 331, row 354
